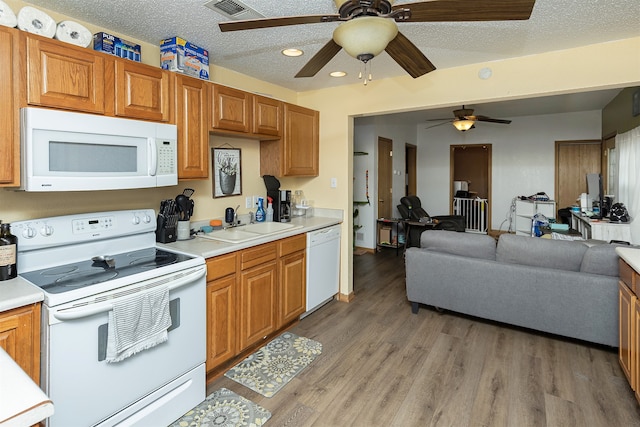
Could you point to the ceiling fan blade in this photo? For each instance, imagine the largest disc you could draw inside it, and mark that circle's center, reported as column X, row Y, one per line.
column 320, row 59
column 489, row 119
column 252, row 24
column 408, row 56
column 439, row 120
column 439, row 124
column 463, row 10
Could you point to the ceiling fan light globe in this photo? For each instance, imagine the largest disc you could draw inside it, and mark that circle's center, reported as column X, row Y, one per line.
column 367, row 35
column 463, row 125
column 339, row 3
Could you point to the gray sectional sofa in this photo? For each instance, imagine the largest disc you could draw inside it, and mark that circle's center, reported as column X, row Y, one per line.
column 567, row 288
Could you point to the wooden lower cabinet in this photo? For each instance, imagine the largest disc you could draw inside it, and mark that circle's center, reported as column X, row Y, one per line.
column 20, row 338
column 629, row 346
column 257, row 302
column 252, row 294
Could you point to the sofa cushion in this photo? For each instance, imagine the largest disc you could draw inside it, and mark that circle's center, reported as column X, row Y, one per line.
column 601, row 259
column 536, row 252
column 464, row 244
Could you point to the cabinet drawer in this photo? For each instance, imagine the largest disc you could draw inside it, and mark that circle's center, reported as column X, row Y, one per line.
column 221, row 266
column 292, row 244
column 629, row 276
column 258, row 255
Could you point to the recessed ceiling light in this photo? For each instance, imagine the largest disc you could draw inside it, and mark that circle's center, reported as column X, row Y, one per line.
column 338, row 74
column 292, row 52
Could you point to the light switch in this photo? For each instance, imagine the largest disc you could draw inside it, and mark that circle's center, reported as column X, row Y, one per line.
column 334, row 182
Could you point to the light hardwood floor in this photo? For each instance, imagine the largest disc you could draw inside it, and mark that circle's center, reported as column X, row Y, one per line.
column 383, row 366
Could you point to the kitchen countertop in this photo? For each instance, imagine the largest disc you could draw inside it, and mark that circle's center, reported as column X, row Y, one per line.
column 18, row 293
column 208, row 248
column 630, row 255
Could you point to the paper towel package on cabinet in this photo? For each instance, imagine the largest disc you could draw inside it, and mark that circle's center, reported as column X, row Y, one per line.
column 7, row 17
column 121, row 48
column 74, row 33
column 178, row 54
column 35, row 21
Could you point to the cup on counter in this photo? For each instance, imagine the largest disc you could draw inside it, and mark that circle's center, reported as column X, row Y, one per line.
column 184, row 230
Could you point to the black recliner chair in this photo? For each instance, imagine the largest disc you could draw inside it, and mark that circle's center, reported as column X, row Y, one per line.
column 411, row 209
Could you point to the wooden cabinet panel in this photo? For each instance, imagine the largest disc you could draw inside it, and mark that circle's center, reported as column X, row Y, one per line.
column 221, row 321
column 20, row 338
column 142, row 92
column 221, row 266
column 636, row 348
column 231, row 109
column 192, row 112
column 292, row 289
column 292, row 244
column 64, row 76
column 9, row 117
column 301, row 141
column 257, row 255
column 257, row 303
column 626, row 351
column 297, row 152
column 267, row 116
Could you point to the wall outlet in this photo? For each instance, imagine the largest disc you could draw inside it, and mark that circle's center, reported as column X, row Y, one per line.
column 247, row 203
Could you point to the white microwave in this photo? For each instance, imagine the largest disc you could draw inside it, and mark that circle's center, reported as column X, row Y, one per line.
column 65, row 151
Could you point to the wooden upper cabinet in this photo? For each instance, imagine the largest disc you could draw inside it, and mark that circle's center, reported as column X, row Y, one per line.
column 297, row 153
column 267, row 116
column 141, row 91
column 64, row 76
column 9, row 118
column 192, row 112
column 231, row 109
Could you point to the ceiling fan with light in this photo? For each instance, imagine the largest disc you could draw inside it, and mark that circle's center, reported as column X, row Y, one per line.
column 464, row 120
column 368, row 27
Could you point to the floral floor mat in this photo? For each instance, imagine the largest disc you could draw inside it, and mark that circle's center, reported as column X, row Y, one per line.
column 271, row 367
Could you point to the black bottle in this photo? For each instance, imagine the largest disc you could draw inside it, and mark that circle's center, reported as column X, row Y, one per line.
column 8, row 253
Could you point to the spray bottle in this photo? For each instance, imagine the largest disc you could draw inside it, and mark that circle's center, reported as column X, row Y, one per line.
column 260, row 215
column 269, row 209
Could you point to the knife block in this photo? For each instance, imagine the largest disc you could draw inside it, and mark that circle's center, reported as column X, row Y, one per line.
column 164, row 232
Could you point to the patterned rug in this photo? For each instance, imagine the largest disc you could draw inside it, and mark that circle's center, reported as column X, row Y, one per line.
column 224, row 408
column 270, row 368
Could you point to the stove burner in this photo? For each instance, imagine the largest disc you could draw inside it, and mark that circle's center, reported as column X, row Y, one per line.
column 59, row 271
column 80, row 279
column 152, row 258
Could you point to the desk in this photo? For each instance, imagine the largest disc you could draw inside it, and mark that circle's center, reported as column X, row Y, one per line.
column 388, row 230
column 600, row 229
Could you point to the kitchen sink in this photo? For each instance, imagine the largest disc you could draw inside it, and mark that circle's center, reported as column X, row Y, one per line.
column 269, row 227
column 231, row 235
column 248, row 232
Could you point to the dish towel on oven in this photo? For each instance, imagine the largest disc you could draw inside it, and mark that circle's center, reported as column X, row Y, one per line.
column 138, row 323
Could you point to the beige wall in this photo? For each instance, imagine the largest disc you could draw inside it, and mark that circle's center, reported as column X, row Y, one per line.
column 608, row 65
column 617, row 115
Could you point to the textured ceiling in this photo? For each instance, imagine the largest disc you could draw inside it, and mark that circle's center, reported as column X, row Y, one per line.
column 554, row 25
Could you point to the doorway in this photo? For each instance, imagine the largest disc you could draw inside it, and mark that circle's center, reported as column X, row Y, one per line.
column 472, row 163
column 385, row 186
column 574, row 160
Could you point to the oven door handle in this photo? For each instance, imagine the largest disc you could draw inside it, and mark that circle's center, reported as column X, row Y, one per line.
column 74, row 313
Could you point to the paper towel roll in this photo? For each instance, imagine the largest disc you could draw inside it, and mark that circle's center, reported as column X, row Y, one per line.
column 74, row 33
column 36, row 21
column 7, row 17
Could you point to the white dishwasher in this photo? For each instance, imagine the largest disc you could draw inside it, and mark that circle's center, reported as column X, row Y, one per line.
column 323, row 266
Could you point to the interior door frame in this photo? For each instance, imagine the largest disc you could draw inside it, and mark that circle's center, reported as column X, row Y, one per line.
column 489, row 148
column 411, row 169
column 388, row 199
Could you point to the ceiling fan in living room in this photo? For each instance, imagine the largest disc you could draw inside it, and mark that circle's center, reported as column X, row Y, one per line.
column 368, row 27
column 464, row 120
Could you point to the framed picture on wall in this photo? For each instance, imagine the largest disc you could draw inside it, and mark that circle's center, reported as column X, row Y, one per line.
column 227, row 178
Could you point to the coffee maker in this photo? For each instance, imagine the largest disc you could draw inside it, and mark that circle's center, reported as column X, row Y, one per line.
column 281, row 199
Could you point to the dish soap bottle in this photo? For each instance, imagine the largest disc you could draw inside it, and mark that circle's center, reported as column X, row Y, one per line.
column 8, row 253
column 269, row 209
column 260, row 215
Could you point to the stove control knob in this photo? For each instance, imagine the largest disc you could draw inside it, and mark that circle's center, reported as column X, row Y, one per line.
column 135, row 220
column 46, row 230
column 146, row 219
column 29, row 232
